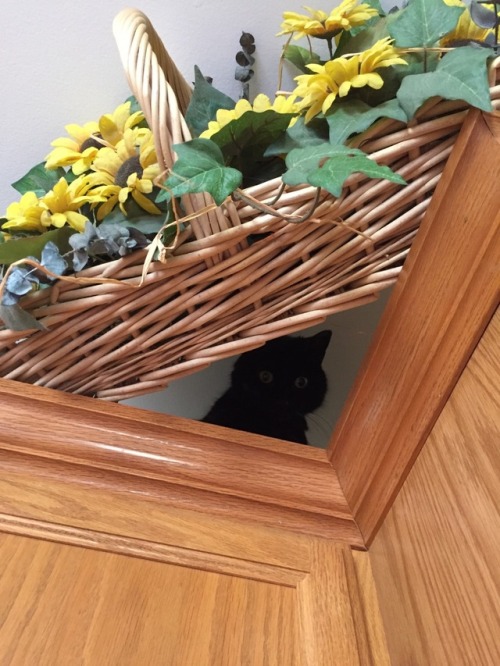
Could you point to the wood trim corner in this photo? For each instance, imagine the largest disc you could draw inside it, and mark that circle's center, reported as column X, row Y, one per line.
column 442, row 302
column 52, row 435
column 440, row 306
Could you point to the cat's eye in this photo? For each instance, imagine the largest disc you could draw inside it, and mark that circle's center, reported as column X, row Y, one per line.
column 265, row 376
column 301, row 382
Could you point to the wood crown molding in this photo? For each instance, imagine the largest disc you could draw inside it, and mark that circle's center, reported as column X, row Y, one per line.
column 187, row 464
column 440, row 306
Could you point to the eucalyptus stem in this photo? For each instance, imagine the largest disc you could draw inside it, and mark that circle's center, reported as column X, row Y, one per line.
column 497, row 25
column 329, row 41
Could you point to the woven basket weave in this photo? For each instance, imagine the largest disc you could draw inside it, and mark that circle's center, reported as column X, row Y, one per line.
column 219, row 294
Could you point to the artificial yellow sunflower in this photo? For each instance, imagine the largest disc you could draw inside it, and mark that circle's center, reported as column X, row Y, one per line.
column 129, row 168
column 465, row 29
column 80, row 149
column 25, row 214
column 112, row 126
column 62, row 204
column 381, row 54
column 336, row 77
column 77, row 151
column 281, row 104
column 349, row 14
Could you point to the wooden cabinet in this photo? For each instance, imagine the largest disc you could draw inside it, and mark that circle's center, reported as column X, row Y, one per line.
column 66, row 604
column 97, row 566
column 128, row 541
column 436, row 557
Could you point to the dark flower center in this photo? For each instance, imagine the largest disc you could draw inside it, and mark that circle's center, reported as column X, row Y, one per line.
column 130, row 166
column 92, row 142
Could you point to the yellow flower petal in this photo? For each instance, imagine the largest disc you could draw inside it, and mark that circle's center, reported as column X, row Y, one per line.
column 145, row 203
column 261, row 103
column 465, row 29
column 25, row 214
column 76, row 220
column 113, row 126
column 109, row 130
column 336, row 77
column 349, row 14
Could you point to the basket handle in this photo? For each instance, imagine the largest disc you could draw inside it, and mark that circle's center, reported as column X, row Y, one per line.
column 163, row 95
column 160, row 88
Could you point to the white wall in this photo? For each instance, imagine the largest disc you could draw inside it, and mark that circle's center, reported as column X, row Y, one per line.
column 59, row 65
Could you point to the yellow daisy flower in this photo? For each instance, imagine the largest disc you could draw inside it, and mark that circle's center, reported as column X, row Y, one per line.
column 112, row 126
column 281, row 104
column 349, row 14
column 80, row 149
column 127, row 169
column 336, row 77
column 77, row 151
column 25, row 214
column 465, row 29
column 62, row 204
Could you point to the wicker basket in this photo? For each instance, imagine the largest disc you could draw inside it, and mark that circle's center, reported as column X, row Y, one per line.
column 219, row 294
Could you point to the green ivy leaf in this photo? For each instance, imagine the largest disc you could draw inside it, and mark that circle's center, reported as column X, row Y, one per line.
column 134, row 104
column 200, row 168
column 424, row 22
column 364, row 39
column 38, row 180
column 300, row 135
column 204, row 104
column 19, row 248
column 15, row 318
column 300, row 57
column 149, row 224
column 375, row 4
column 329, row 166
column 354, row 116
column 393, row 77
column 244, row 140
column 137, row 218
column 461, row 74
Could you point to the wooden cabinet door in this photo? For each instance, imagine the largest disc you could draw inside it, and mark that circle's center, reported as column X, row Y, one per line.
column 70, row 605
column 67, row 604
column 125, row 541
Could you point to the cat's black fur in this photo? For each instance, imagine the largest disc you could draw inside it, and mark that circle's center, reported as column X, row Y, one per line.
column 274, row 387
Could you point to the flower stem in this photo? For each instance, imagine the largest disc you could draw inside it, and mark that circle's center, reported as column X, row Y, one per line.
column 329, row 41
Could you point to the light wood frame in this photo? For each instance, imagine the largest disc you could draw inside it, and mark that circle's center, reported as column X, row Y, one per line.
column 440, row 306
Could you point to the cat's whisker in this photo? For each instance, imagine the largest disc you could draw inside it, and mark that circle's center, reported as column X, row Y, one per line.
column 322, row 423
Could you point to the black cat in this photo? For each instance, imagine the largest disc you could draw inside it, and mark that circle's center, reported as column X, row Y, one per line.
column 274, row 387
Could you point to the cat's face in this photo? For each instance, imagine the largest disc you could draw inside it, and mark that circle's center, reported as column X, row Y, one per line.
column 284, row 375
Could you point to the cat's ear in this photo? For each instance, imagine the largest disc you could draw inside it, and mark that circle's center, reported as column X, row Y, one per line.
column 319, row 343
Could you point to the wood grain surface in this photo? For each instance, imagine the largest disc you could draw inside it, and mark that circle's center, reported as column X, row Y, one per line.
column 439, row 308
column 188, row 464
column 436, row 558
column 65, row 604
column 72, row 606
